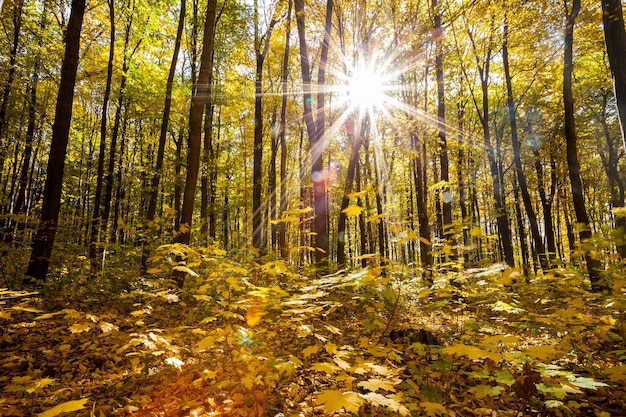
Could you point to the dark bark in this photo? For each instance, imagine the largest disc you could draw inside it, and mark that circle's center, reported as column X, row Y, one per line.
column 20, row 202
column 356, row 140
column 271, row 180
column 315, row 129
column 46, row 232
column 421, row 193
column 445, row 196
column 615, row 40
column 282, row 233
column 517, row 161
column 502, row 218
column 158, row 165
column 96, row 216
column 201, row 98
column 593, row 264
column 261, row 47
column 18, row 8
column 610, row 157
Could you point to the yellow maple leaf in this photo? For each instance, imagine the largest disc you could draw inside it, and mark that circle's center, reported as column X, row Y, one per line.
column 616, row 373
column 78, row 328
column 374, row 384
column 434, row 409
column 206, row 343
column 65, row 407
column 382, row 401
column 543, row 353
column 352, row 210
column 335, row 400
column 331, row 348
column 329, row 368
column 311, row 350
column 106, row 327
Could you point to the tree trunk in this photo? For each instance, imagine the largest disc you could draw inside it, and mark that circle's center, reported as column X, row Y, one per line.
column 96, row 216
column 261, row 47
column 282, row 232
column 158, row 166
column 421, row 193
column 18, row 9
column 315, row 125
column 271, row 181
column 201, row 98
column 20, row 202
column 444, row 193
column 517, row 160
column 356, row 140
column 593, row 264
column 46, row 233
column 615, row 40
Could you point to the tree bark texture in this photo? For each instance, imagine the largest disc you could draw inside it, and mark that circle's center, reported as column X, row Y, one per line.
column 46, row 232
column 584, row 232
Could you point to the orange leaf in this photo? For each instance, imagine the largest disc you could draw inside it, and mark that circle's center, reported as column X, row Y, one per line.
column 255, row 311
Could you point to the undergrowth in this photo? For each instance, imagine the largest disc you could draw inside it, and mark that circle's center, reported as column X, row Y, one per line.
column 247, row 339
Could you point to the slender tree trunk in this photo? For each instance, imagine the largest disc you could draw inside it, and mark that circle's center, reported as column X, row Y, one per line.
column 356, row 140
column 20, row 202
column 96, row 216
column 261, row 47
column 271, row 180
column 201, row 99
column 282, row 232
column 158, row 166
column 46, row 233
column 461, row 164
column 362, row 226
column 502, row 218
column 18, row 8
column 315, row 125
column 517, row 160
column 593, row 264
column 615, row 40
column 445, row 196
column 421, row 190
column 521, row 230
column 178, row 189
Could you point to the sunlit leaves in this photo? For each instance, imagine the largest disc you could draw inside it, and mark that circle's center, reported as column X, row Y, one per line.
column 374, row 384
column 335, row 400
column 65, row 407
column 310, row 350
column 352, row 210
column 79, row 328
column 27, row 384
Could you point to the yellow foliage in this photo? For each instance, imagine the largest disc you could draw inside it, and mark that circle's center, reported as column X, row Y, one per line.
column 65, row 407
column 334, row 400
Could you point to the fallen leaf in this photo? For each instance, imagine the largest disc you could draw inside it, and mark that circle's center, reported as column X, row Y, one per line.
column 335, row 400
column 65, row 407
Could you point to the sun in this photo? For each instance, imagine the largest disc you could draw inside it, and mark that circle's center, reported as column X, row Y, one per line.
column 367, row 88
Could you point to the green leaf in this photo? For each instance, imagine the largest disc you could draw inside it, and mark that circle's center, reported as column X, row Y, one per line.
column 583, row 382
column 65, row 407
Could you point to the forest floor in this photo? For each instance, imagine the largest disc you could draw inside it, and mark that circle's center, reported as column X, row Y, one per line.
column 266, row 341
